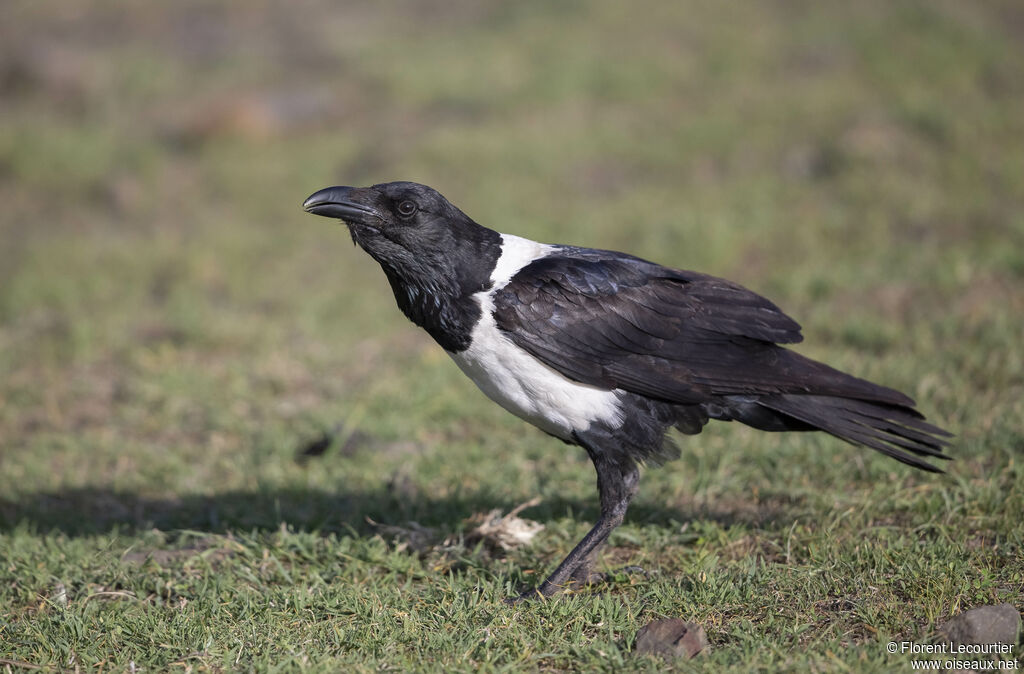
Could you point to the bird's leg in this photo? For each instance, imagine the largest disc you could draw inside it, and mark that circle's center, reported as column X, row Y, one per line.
column 584, row 573
column 616, row 485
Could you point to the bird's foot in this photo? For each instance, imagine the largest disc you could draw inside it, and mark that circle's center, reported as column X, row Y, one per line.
column 546, row 589
column 581, row 578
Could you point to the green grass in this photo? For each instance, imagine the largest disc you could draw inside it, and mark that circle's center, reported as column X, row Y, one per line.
column 173, row 328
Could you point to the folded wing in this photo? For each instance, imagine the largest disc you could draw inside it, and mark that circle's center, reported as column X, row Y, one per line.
column 619, row 322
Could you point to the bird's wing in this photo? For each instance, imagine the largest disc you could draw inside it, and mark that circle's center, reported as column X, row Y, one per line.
column 615, row 321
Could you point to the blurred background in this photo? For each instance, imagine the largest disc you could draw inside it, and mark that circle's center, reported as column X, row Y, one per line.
column 172, row 325
column 176, row 334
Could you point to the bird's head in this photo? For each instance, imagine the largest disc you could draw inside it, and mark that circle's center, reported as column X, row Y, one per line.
column 392, row 220
column 421, row 240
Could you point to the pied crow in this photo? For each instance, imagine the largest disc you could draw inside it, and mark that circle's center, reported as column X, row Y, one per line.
column 609, row 351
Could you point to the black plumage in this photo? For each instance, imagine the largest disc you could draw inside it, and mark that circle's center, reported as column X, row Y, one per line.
column 618, row 322
column 609, row 351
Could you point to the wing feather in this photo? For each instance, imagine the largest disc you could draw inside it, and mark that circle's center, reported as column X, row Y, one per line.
column 616, row 321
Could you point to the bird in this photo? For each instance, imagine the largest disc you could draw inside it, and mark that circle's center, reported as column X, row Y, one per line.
column 609, row 351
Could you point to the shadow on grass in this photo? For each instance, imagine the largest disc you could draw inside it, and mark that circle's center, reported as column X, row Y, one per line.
column 91, row 511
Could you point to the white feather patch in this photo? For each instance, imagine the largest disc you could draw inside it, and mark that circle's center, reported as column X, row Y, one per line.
column 516, row 380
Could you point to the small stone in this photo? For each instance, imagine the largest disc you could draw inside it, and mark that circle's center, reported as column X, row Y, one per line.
column 671, row 638
column 983, row 625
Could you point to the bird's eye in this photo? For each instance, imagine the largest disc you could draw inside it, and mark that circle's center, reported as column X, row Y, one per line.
column 406, row 208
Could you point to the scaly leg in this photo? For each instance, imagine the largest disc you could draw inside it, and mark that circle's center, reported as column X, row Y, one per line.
column 616, row 485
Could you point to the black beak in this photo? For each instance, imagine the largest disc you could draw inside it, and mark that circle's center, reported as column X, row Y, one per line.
column 339, row 202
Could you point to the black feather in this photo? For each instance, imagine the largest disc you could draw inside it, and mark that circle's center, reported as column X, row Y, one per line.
column 887, row 428
column 676, row 347
column 695, row 342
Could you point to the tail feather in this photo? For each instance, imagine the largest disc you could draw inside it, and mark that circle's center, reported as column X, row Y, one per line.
column 888, row 428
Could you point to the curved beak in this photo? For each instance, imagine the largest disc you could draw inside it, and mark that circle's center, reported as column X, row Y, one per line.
column 340, row 202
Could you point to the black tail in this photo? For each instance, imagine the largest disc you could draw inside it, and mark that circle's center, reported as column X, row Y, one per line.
column 892, row 429
column 811, row 396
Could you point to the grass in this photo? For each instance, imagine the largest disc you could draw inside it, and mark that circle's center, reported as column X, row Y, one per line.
column 173, row 330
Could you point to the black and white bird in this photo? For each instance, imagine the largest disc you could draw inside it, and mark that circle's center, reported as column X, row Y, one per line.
column 608, row 351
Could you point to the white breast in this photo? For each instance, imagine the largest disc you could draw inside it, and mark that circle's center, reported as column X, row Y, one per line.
column 517, row 381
